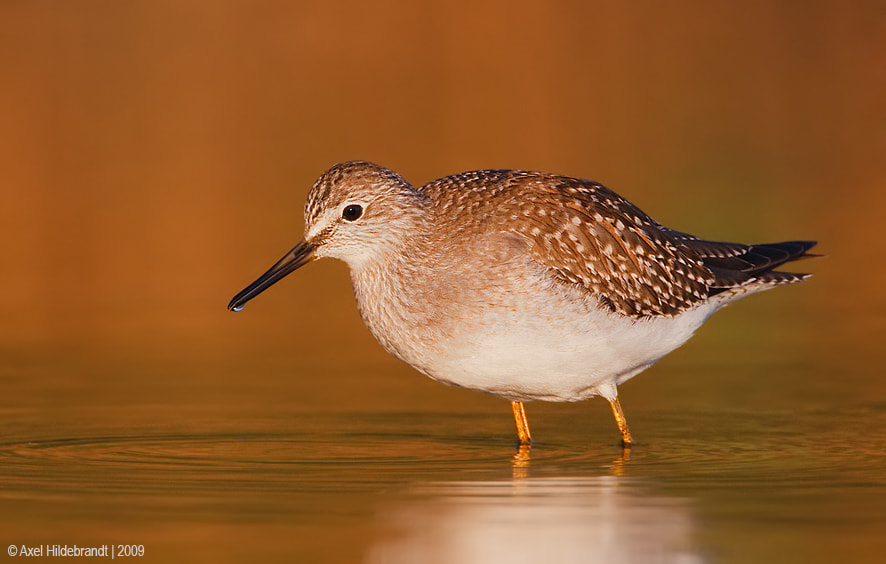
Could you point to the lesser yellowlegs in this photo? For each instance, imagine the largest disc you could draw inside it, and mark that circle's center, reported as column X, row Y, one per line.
column 524, row 285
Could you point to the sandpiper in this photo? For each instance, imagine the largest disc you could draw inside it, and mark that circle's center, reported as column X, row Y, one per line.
column 524, row 285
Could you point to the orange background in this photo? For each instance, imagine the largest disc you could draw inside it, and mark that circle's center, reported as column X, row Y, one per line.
column 156, row 155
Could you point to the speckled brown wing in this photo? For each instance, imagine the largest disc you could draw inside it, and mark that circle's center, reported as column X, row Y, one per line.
column 585, row 233
column 593, row 237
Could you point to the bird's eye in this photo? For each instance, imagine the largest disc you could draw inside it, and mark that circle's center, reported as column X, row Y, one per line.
column 352, row 212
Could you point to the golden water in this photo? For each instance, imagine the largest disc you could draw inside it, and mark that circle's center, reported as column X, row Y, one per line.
column 739, row 460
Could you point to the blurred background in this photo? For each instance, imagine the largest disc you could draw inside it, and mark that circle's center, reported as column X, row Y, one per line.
column 156, row 156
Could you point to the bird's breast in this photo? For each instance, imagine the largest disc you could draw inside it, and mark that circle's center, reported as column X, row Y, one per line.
column 519, row 336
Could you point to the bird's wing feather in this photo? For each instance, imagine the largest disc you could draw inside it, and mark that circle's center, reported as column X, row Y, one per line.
column 592, row 238
column 589, row 236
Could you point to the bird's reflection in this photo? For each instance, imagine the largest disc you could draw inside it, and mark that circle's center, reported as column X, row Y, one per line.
column 537, row 519
column 520, row 462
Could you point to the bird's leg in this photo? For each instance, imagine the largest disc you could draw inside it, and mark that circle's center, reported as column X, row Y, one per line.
column 622, row 423
column 522, row 423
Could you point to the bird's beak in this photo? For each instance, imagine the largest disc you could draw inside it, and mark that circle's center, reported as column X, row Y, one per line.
column 300, row 255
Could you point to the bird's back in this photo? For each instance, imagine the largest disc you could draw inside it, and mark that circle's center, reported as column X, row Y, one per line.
column 592, row 238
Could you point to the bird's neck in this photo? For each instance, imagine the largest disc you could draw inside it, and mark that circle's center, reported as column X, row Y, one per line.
column 390, row 298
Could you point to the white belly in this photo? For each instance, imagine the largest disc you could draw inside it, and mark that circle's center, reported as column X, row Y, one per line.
column 565, row 358
column 529, row 339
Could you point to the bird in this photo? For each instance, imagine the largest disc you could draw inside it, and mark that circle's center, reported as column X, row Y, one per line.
column 525, row 285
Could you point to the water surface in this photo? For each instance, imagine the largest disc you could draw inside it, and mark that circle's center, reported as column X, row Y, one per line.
column 285, row 481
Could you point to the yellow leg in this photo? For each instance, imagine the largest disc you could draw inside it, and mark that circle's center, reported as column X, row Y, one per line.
column 522, row 423
column 622, row 423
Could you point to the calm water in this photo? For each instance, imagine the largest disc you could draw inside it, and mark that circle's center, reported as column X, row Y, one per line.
column 247, row 469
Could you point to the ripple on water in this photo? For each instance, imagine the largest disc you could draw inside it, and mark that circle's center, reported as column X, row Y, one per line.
column 346, row 454
column 795, row 450
column 255, row 450
column 316, row 461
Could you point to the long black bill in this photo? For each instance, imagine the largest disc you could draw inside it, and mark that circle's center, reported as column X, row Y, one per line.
column 300, row 255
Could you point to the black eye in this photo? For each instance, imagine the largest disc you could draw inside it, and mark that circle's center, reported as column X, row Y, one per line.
column 352, row 212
